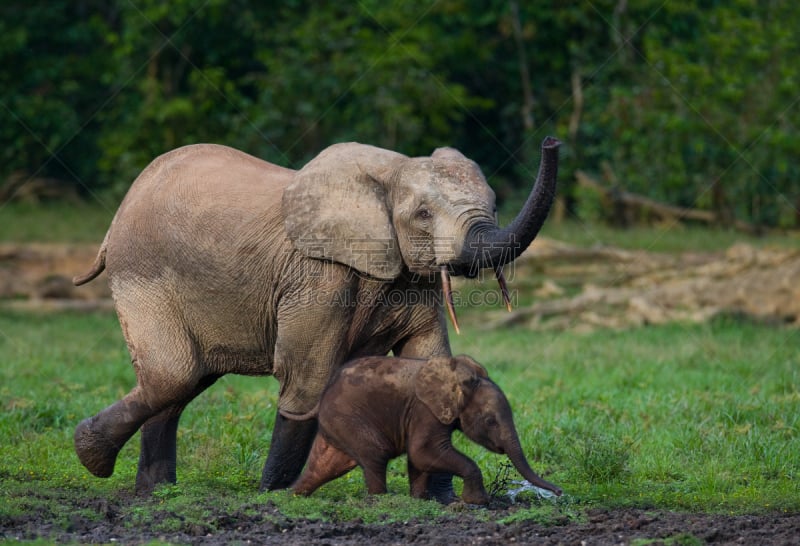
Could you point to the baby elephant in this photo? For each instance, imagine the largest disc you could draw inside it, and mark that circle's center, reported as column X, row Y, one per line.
column 377, row 408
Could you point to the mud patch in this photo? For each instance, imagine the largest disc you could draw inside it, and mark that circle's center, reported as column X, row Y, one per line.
column 103, row 521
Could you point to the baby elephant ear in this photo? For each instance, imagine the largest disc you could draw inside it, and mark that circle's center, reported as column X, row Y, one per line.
column 337, row 209
column 471, row 363
column 445, row 384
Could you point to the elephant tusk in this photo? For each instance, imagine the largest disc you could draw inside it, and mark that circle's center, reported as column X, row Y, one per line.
column 448, row 298
column 501, row 280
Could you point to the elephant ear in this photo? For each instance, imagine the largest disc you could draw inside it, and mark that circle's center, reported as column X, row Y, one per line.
column 336, row 208
column 449, row 154
column 472, row 364
column 445, row 384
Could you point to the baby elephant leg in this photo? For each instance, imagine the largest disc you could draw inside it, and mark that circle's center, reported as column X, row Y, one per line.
column 451, row 460
column 418, row 482
column 325, row 463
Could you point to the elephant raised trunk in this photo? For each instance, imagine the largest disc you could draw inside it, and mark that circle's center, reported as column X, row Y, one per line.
column 487, row 245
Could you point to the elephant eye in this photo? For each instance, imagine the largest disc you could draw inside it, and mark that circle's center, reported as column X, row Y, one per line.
column 423, row 214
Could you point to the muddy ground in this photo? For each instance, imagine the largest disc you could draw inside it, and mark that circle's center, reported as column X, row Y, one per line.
column 596, row 527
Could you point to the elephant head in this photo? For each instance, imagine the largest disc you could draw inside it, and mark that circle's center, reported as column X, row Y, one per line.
column 459, row 389
column 377, row 211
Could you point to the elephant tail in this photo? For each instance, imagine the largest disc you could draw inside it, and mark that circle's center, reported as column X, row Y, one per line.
column 310, row 414
column 97, row 267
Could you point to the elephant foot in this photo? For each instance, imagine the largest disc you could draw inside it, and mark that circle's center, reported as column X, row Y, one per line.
column 95, row 451
column 478, row 496
column 278, row 478
column 157, row 474
column 440, row 488
column 158, row 453
column 291, row 443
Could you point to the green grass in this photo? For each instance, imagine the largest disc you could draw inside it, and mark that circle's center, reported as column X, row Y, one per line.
column 701, row 418
column 672, row 237
column 56, row 222
column 681, row 417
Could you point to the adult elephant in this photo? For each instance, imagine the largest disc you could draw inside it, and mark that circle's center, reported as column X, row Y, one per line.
column 222, row 263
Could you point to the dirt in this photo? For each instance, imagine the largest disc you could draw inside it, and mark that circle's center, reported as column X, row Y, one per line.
column 263, row 524
column 39, row 276
column 606, row 287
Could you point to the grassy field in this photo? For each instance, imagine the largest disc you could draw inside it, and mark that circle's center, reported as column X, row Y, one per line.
column 698, row 418
column 55, row 222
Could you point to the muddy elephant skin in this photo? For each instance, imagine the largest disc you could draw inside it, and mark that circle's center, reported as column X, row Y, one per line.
column 378, row 408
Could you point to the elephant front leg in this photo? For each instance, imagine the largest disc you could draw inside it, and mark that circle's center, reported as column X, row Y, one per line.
column 291, row 442
column 310, row 345
column 449, row 462
column 432, row 341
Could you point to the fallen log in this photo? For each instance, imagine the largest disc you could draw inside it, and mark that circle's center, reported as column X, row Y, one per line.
column 627, row 205
column 743, row 281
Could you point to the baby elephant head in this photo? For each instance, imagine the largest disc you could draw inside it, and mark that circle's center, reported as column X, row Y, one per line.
column 458, row 391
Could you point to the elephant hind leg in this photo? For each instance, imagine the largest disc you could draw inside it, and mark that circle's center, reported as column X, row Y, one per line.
column 375, row 476
column 418, row 482
column 98, row 439
column 325, row 463
column 158, row 453
column 168, row 379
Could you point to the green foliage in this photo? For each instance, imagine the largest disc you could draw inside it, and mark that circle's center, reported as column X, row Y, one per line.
column 691, row 103
column 50, row 57
column 393, row 507
column 698, row 417
column 717, row 87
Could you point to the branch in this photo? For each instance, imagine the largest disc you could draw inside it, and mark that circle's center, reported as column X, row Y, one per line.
column 623, row 201
column 577, row 105
column 628, row 199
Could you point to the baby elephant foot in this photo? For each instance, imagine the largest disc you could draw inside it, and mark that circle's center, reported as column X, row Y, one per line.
column 474, row 495
column 95, row 451
column 440, row 488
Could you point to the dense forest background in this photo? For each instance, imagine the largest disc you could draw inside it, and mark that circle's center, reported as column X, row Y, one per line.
column 691, row 103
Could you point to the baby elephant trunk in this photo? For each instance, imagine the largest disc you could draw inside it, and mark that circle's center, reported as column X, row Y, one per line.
column 517, row 458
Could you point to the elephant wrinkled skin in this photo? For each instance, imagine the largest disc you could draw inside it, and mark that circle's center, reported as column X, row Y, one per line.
column 222, row 263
